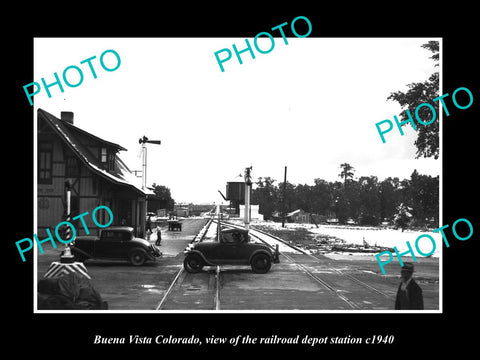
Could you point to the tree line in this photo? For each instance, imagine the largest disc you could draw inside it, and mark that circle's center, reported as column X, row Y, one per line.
column 162, row 199
column 410, row 202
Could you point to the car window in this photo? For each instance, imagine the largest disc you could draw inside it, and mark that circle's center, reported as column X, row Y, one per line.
column 227, row 238
column 238, row 237
column 115, row 235
column 233, row 237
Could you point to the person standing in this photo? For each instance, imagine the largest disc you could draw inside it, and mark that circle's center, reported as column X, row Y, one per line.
column 409, row 294
column 159, row 236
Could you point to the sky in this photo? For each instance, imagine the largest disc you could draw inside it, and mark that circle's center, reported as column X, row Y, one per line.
column 310, row 105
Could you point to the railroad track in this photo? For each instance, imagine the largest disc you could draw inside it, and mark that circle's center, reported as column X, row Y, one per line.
column 182, row 277
column 255, row 233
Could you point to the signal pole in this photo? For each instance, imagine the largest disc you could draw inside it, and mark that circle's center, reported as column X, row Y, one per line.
column 144, row 164
column 284, row 193
column 248, row 186
column 144, row 158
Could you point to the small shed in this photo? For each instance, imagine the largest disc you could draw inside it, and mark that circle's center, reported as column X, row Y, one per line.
column 299, row 216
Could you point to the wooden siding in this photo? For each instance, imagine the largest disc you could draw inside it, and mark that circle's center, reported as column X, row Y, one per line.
column 51, row 197
column 89, row 190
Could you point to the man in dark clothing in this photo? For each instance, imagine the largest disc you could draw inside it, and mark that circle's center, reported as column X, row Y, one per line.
column 159, row 236
column 409, row 294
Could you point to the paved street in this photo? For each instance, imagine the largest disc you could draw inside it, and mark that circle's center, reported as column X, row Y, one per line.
column 127, row 287
column 299, row 282
column 287, row 287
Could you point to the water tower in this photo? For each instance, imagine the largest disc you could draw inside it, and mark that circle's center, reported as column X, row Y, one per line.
column 236, row 193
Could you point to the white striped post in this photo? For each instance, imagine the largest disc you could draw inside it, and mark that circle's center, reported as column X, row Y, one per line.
column 67, row 256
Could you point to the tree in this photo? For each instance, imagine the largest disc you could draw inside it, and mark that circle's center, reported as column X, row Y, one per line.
column 340, row 203
column 409, row 202
column 347, row 197
column 427, row 141
column 346, row 172
column 322, row 198
column 303, row 196
column 291, row 202
column 403, row 216
column 265, row 195
column 163, row 198
column 389, row 194
column 369, row 200
column 422, row 197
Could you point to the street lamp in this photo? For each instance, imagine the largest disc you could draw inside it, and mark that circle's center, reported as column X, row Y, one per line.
column 143, row 141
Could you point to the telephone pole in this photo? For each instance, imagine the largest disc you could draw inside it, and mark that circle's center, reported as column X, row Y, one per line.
column 284, row 193
column 248, row 186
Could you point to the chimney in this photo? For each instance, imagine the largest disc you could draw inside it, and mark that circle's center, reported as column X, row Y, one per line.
column 67, row 116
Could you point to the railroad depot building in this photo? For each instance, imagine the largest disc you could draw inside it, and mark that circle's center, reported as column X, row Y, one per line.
column 97, row 176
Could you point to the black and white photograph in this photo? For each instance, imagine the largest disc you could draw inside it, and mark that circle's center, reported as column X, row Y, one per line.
column 255, row 188
column 242, row 184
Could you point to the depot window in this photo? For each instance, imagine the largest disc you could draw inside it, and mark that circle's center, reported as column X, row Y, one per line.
column 103, row 155
column 72, row 167
column 45, row 155
column 107, row 157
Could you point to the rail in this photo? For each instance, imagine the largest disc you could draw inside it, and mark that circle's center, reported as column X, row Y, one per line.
column 180, row 276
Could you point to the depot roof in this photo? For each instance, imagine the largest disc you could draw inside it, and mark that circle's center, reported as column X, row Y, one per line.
column 70, row 134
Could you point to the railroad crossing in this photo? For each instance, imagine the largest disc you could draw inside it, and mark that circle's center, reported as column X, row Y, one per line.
column 300, row 282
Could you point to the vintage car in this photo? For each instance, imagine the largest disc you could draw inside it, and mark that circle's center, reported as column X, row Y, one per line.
column 114, row 242
column 233, row 248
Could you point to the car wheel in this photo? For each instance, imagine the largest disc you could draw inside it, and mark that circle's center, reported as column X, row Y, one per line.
column 193, row 263
column 137, row 257
column 261, row 263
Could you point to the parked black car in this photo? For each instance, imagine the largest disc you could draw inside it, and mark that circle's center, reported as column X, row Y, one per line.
column 114, row 242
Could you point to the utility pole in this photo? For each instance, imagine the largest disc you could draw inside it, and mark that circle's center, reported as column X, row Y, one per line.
column 217, row 211
column 284, row 193
column 248, row 186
